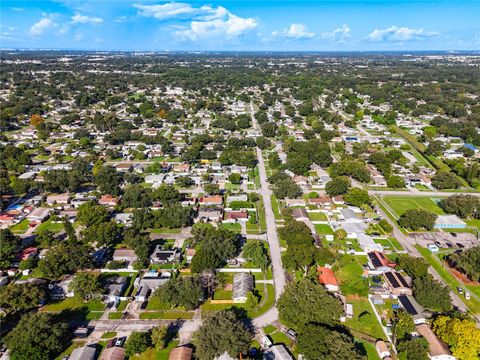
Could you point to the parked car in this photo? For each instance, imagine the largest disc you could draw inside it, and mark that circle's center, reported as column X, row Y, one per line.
column 460, row 245
column 467, row 295
column 450, row 245
column 460, row 290
column 111, row 342
column 121, row 341
column 267, row 341
column 144, row 305
column 292, row 334
column 454, row 234
column 438, row 244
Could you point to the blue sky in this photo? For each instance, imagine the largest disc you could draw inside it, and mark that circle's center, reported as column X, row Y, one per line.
column 241, row 25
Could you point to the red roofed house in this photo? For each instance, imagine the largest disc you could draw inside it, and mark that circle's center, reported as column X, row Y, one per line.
column 211, row 200
column 108, row 200
column 327, row 278
column 240, row 215
column 28, row 253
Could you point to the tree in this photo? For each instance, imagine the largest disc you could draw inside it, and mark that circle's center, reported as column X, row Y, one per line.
column 107, row 233
column 159, row 337
column 183, row 291
column 416, row 219
column 467, row 261
column 385, row 225
column 211, row 189
column 286, row 188
column 184, row 181
column 462, row 205
column 37, row 336
column 431, row 294
column 303, row 302
column 167, row 194
column 235, row 178
column 403, row 325
column 413, row 266
column 137, row 343
column 85, row 285
column 221, row 332
column 36, row 120
column 445, row 180
column 136, row 196
column 256, row 253
column 413, row 349
column 274, row 160
column 395, row 182
column 64, row 259
column 108, row 180
column 269, row 129
column 318, row 342
column 9, row 244
column 90, row 214
column 460, row 335
column 20, row 297
column 337, row 186
column 357, row 197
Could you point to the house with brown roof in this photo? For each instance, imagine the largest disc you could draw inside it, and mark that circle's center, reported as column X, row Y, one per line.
column 396, row 284
column 181, row 353
column 437, row 349
column 378, row 263
column 108, row 200
column 211, row 200
column 113, row 353
column 236, row 215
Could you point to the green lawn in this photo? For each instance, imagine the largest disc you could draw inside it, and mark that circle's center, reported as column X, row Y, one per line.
column 49, row 225
column 109, row 335
column 152, row 354
column 369, row 348
column 473, row 223
column 235, row 227
column 323, row 229
column 400, row 204
column 371, row 327
column 165, row 231
column 275, row 208
column 76, row 309
column 21, row 227
column 167, row 314
column 317, row 216
column 223, row 295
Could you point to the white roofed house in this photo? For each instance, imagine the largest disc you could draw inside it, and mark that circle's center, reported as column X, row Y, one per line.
column 242, row 284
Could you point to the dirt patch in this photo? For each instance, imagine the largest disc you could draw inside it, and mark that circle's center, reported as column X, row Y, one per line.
column 460, row 276
column 228, row 287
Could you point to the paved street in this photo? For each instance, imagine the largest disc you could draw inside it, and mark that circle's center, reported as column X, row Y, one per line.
column 272, row 237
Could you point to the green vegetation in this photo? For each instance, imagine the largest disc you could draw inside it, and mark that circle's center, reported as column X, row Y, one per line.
column 400, row 204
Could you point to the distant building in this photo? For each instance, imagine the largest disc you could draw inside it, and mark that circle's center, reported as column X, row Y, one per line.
column 449, row 222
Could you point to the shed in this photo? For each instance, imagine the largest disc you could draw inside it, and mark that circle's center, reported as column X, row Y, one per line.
column 181, row 353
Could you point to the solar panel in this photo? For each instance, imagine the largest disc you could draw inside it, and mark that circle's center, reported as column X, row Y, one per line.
column 407, row 305
column 402, row 280
column 374, row 259
column 392, row 280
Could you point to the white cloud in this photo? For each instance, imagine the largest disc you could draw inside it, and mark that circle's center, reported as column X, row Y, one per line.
column 205, row 21
column 164, row 11
column 338, row 34
column 295, row 31
column 397, row 34
column 84, row 19
column 39, row 27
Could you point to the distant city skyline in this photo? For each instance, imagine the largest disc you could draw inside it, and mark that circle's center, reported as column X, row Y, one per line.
column 365, row 25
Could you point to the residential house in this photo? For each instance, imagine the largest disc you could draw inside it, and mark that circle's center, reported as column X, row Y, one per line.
column 236, row 215
column 437, row 349
column 382, row 350
column 160, row 256
column 181, row 353
column 300, row 214
column 108, row 200
column 379, row 263
column 277, row 352
column 216, row 200
column 38, row 214
column 58, row 199
column 125, row 255
column 60, row 290
column 149, row 283
column 83, row 353
column 367, row 243
column 328, row 279
column 413, row 308
column 242, row 284
column 209, row 214
column 113, row 353
column 396, row 283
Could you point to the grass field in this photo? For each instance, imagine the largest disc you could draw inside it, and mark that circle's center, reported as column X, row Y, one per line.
column 371, row 327
column 21, row 227
column 76, row 309
column 167, row 314
column 49, row 225
column 165, row 231
column 152, row 354
column 317, row 216
column 400, row 204
column 323, row 229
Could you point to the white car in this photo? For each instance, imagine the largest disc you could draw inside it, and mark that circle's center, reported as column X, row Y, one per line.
column 467, row 295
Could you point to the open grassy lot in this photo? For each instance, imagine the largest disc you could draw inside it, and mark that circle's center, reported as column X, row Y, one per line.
column 317, row 216
column 235, row 227
column 165, row 231
column 323, row 229
column 366, row 324
column 167, row 314
column 54, row 227
column 75, row 308
column 21, row 227
column 400, row 204
column 276, row 207
column 152, row 354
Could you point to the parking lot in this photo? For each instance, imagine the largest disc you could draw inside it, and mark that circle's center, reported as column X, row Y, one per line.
column 461, row 240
